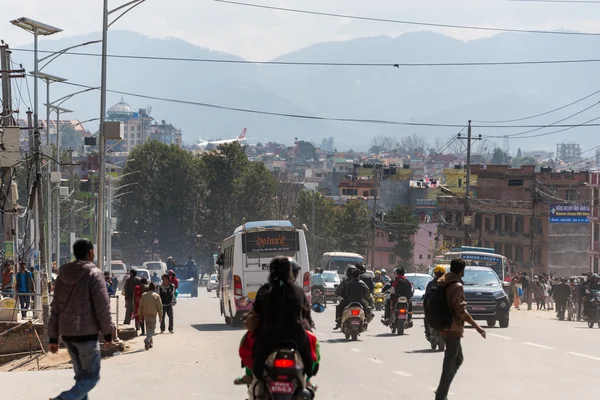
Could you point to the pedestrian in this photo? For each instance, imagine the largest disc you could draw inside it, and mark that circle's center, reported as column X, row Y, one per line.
column 562, row 293
column 514, row 288
column 166, row 292
column 579, row 293
column 8, row 280
column 537, row 292
column 455, row 295
column 25, row 288
column 550, row 297
column 138, row 292
column 114, row 282
column 544, row 287
column 109, row 288
column 150, row 306
column 80, row 309
column 129, row 292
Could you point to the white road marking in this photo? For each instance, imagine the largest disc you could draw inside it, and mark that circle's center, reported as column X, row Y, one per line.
column 538, row 345
column 501, row 337
column 376, row 361
column 402, row 373
column 584, row 355
column 355, row 350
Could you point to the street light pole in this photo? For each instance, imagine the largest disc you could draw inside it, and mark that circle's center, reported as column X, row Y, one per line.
column 102, row 144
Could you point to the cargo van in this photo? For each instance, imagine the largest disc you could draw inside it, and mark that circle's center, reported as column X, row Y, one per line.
column 246, row 257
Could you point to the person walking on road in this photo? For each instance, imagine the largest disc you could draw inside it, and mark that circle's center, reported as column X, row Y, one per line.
column 129, row 292
column 80, row 309
column 25, row 288
column 457, row 303
column 562, row 291
column 137, row 296
column 514, row 288
column 150, row 306
column 8, row 280
column 167, row 295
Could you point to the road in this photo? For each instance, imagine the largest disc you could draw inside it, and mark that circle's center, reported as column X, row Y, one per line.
column 536, row 357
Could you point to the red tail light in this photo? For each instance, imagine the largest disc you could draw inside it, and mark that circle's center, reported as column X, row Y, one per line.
column 355, row 312
column 237, row 286
column 283, row 363
column 306, row 282
column 402, row 311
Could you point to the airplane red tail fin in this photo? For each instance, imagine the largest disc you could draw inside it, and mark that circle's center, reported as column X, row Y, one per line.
column 243, row 134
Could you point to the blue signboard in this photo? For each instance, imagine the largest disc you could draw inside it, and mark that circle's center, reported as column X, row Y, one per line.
column 569, row 214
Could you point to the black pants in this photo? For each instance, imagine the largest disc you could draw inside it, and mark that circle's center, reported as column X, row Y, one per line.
column 128, row 312
column 453, row 359
column 561, row 306
column 167, row 311
column 24, row 301
column 579, row 304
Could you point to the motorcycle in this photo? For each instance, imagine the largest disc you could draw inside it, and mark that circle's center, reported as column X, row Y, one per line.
column 400, row 317
column 593, row 308
column 353, row 321
column 284, row 377
column 318, row 296
column 436, row 340
column 378, row 296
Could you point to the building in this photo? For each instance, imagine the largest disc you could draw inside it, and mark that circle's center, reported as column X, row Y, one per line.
column 165, row 133
column 594, row 183
column 538, row 218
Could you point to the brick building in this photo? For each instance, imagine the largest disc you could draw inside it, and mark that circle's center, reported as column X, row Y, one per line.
column 503, row 217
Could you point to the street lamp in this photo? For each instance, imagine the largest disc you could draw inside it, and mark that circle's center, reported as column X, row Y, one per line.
column 101, row 137
column 58, row 110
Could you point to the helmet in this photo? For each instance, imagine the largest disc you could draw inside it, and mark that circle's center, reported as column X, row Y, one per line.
column 377, row 272
column 595, row 276
column 295, row 266
column 439, row 270
column 383, row 271
column 349, row 271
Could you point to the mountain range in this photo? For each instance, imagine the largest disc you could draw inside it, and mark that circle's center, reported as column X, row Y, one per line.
column 420, row 94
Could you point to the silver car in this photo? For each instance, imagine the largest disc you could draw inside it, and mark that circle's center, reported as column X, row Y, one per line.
column 213, row 283
column 419, row 282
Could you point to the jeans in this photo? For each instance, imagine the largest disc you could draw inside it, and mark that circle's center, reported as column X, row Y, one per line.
column 453, row 359
column 150, row 329
column 167, row 311
column 24, row 301
column 86, row 365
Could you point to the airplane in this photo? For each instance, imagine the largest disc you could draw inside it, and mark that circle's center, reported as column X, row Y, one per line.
column 202, row 143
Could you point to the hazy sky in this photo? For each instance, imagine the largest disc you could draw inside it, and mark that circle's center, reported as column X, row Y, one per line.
column 263, row 34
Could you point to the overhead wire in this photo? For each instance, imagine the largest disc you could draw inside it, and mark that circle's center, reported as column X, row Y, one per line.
column 405, row 22
column 332, row 64
column 314, row 117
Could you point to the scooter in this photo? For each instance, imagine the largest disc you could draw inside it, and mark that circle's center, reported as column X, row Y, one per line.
column 593, row 309
column 284, row 378
column 378, row 296
column 400, row 317
column 436, row 340
column 353, row 321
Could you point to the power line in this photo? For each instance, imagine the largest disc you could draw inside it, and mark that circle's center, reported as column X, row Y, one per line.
column 586, row 123
column 405, row 22
column 327, row 64
column 313, row 117
column 541, row 114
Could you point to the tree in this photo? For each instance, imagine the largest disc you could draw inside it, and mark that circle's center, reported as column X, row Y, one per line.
column 413, row 145
column 519, row 161
column 519, row 153
column 499, row 157
column 352, row 226
column 70, row 137
column 402, row 223
column 383, row 144
column 156, row 216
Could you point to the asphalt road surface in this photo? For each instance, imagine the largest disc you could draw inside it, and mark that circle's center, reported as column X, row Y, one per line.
column 535, row 358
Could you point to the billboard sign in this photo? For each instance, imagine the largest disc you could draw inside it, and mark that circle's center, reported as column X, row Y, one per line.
column 569, row 214
column 270, row 242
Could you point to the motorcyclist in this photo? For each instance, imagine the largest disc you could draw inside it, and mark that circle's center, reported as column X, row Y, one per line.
column 562, row 291
column 317, row 282
column 401, row 288
column 377, row 278
column 384, row 277
column 438, row 272
column 366, row 278
column 592, row 285
column 352, row 290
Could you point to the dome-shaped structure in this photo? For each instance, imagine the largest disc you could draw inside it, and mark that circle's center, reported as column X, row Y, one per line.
column 121, row 110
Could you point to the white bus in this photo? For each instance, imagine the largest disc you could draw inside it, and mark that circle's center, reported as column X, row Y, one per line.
column 246, row 257
column 338, row 261
column 480, row 257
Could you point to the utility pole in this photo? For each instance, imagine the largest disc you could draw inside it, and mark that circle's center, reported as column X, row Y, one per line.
column 532, row 241
column 72, row 192
column 374, row 225
column 467, row 219
column 10, row 215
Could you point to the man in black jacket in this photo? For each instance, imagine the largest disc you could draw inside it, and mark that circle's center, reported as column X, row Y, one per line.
column 353, row 291
column 129, row 290
column 562, row 291
column 366, row 278
column 80, row 309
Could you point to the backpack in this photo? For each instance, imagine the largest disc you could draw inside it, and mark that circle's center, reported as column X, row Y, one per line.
column 403, row 288
column 437, row 310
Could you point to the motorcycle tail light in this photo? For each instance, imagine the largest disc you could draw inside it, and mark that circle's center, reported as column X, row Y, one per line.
column 284, row 363
column 402, row 311
column 355, row 312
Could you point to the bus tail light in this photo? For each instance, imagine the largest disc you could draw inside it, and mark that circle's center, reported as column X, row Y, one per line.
column 237, row 286
column 306, row 282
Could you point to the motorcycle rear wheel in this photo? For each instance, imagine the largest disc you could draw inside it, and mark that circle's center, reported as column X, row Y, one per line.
column 354, row 336
column 400, row 327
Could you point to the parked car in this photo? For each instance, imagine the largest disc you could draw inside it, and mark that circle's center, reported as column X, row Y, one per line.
column 213, row 283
